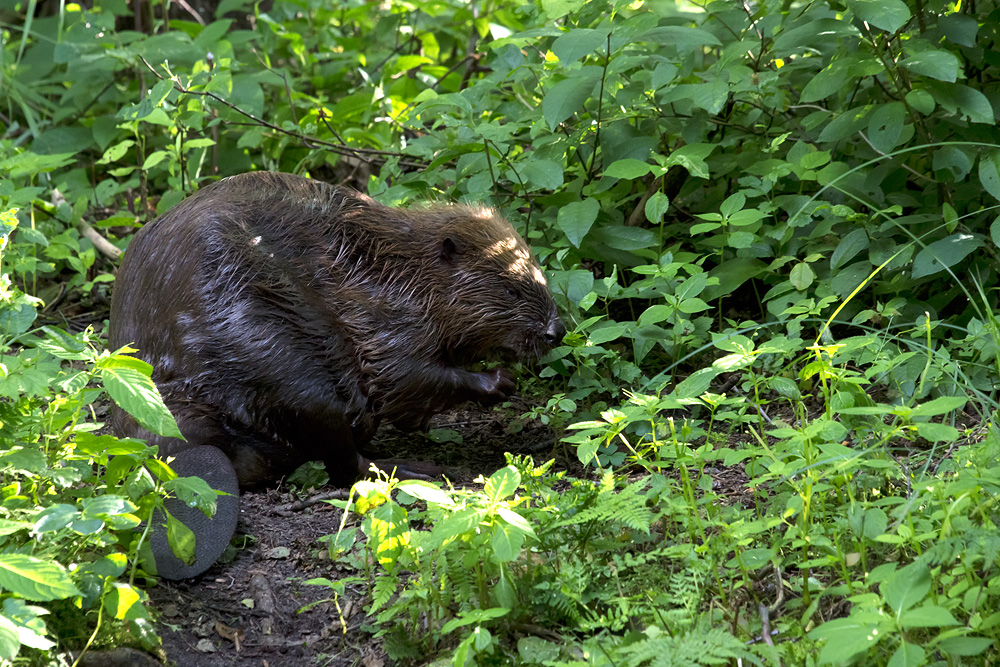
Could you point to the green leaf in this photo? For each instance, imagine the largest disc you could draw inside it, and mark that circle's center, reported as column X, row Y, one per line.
column 607, row 333
column 906, row 587
column 849, row 246
column 954, row 160
column 921, row 100
column 427, row 492
column 801, row 276
column 696, row 384
column 136, row 393
column 989, row 173
column 827, row 81
column 567, row 97
column 995, row 232
column 692, row 157
column 506, row 542
column 935, row 63
column 181, row 539
column 576, row 218
column 502, row 483
column 34, row 578
column 963, row 100
column 655, row 314
column 907, row 655
column 628, row 168
column 543, row 174
column 944, row 253
column 927, row 616
column 578, row 43
column 656, row 207
column 886, row 126
column 888, row 15
column 939, row 406
column 967, row 646
column 10, row 642
column 624, row 238
column 959, row 28
column 683, row 38
column 27, row 619
column 845, row 638
column 937, row 432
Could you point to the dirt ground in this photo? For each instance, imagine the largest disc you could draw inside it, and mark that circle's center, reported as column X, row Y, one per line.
column 249, row 612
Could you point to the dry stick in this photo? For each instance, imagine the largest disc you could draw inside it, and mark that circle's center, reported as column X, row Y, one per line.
column 104, row 246
column 286, row 510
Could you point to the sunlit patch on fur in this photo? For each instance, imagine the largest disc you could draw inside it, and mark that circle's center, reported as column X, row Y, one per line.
column 255, row 241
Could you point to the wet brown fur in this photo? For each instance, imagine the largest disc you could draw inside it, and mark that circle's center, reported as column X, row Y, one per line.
column 285, row 318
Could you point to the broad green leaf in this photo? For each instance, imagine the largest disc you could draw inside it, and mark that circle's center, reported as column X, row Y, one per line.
column 656, row 207
column 937, row 432
column 696, row 384
column 181, row 539
column 35, row 578
column 939, row 406
column 567, row 97
column 888, row 15
column 628, row 168
column 906, row 587
column 502, row 483
column 607, row 333
column 827, row 81
column 908, row 655
column 684, row 39
column 959, row 28
column 136, row 393
column 921, row 100
column 655, row 314
column 27, row 619
column 849, row 246
column 845, row 638
column 542, row 174
column 506, row 542
column 10, row 641
column 578, row 43
column 961, row 99
column 968, row 646
column 943, row 253
column 625, row 238
column 692, row 157
column 427, row 492
column 886, row 125
column 122, row 600
column 576, row 218
column 989, row 172
column 574, row 285
column 995, row 232
column 846, row 124
column 801, row 276
column 954, row 160
column 935, row 63
column 927, row 616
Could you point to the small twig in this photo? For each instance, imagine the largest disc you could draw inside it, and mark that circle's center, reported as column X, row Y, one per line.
column 290, row 508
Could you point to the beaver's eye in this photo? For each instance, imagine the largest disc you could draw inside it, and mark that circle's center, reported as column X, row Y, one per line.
column 512, row 293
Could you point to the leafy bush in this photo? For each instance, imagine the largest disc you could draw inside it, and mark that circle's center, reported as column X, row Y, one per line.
column 770, row 226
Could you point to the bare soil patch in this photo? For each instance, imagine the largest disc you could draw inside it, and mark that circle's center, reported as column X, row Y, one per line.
column 249, row 611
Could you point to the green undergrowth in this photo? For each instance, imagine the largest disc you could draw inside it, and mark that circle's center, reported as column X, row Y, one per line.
column 771, row 229
column 858, row 530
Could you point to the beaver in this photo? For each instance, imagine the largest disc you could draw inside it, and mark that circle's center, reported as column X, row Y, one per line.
column 285, row 318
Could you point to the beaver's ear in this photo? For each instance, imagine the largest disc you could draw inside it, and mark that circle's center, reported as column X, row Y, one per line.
column 450, row 250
